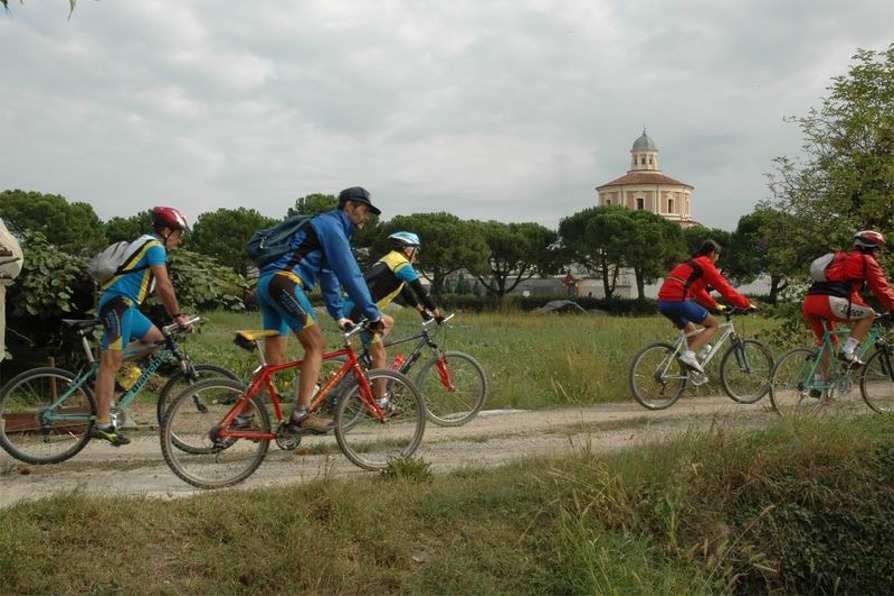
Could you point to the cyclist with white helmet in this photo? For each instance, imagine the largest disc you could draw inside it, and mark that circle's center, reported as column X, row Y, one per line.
column 119, row 312
column 394, row 275
column 838, row 298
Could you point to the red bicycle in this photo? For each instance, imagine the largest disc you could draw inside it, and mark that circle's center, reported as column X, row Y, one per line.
column 229, row 426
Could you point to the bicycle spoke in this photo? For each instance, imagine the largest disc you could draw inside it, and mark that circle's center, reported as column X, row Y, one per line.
column 657, row 379
column 877, row 382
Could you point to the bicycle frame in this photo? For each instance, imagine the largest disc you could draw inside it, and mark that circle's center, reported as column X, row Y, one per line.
column 825, row 357
column 162, row 352
column 263, row 380
column 424, row 340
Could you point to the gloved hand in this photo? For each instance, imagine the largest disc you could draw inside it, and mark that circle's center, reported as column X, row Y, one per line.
column 721, row 309
column 439, row 318
column 183, row 323
column 752, row 306
column 426, row 316
column 345, row 324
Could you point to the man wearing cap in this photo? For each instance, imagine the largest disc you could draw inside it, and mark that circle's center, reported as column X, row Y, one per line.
column 320, row 249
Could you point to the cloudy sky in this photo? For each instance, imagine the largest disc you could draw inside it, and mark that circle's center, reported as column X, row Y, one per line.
column 511, row 110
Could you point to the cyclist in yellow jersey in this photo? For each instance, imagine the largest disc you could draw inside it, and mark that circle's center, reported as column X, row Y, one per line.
column 119, row 312
column 394, row 275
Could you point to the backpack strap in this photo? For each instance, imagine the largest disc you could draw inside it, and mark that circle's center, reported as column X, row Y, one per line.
column 697, row 272
column 128, row 265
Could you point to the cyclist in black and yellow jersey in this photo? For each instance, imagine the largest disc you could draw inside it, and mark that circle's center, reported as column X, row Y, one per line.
column 394, row 275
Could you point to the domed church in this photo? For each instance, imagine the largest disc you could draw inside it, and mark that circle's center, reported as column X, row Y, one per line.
column 644, row 186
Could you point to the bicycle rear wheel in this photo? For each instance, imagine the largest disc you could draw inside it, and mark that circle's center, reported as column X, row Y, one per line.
column 791, row 385
column 213, row 462
column 455, row 393
column 877, row 382
column 29, row 431
column 745, row 371
column 657, row 378
column 371, row 443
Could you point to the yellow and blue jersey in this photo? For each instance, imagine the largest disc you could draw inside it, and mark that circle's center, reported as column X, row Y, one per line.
column 137, row 280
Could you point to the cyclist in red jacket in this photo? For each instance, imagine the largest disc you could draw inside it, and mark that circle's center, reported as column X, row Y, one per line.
column 839, row 299
column 684, row 299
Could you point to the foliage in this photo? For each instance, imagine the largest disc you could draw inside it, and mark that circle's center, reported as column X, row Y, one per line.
column 587, row 240
column 449, row 244
column 120, row 229
column 695, row 236
column 313, row 204
column 758, row 247
column 846, row 180
column 222, row 234
column 73, row 227
column 652, row 245
column 202, row 283
column 518, row 251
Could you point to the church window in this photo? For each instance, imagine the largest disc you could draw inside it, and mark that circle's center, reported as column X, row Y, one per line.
column 640, row 203
column 670, row 205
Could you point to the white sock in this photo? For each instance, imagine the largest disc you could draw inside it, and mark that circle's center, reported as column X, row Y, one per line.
column 850, row 345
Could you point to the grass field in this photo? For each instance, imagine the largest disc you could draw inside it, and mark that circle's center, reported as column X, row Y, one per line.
column 532, row 361
column 793, row 508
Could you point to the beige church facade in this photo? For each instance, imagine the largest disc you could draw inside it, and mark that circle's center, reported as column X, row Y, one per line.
column 644, row 186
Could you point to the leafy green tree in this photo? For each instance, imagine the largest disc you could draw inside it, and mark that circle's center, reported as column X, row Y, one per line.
column 652, row 245
column 312, row 204
column 591, row 239
column 695, row 236
column 759, row 247
column 449, row 244
column 128, row 228
column 73, row 227
column 222, row 234
column 518, row 251
column 845, row 180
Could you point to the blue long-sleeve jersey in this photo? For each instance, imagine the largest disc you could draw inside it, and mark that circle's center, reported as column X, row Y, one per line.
column 322, row 249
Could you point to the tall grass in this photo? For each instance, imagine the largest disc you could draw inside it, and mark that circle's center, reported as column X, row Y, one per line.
column 804, row 508
column 532, row 361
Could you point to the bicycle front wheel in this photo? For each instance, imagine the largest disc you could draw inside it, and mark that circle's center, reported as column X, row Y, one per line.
column 454, row 388
column 877, row 382
column 792, row 390
column 657, row 378
column 32, row 432
column 366, row 440
column 745, row 371
column 213, row 462
column 178, row 383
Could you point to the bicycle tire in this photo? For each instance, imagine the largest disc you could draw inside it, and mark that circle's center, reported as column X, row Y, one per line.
column 882, row 400
column 198, row 426
column 729, row 365
column 168, row 392
column 638, row 389
column 364, row 443
column 789, row 385
column 8, row 393
column 431, row 392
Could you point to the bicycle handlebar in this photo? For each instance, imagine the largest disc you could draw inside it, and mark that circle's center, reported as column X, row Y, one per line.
column 169, row 329
column 432, row 320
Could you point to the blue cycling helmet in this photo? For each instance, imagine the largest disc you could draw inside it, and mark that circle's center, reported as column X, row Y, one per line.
column 404, row 239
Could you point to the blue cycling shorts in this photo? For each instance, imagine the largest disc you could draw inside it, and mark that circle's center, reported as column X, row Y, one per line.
column 283, row 303
column 122, row 322
column 683, row 312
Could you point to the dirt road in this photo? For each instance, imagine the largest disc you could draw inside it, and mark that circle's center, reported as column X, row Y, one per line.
column 493, row 438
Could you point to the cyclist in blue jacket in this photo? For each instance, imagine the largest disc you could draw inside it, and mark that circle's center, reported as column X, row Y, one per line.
column 320, row 250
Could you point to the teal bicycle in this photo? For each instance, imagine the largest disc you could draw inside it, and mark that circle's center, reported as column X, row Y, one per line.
column 46, row 413
column 806, row 379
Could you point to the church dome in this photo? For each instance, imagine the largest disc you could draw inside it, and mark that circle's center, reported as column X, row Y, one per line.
column 644, row 143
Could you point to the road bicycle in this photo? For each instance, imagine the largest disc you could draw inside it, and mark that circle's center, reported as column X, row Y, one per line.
column 235, row 430
column 658, row 377
column 806, row 379
column 453, row 384
column 46, row 413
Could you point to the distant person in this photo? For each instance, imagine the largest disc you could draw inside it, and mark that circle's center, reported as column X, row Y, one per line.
column 11, row 261
column 684, row 299
column 838, row 299
column 391, row 276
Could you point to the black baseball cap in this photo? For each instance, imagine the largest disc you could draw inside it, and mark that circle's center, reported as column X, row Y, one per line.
column 357, row 194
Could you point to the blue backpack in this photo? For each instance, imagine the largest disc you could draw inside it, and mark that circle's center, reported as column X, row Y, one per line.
column 269, row 244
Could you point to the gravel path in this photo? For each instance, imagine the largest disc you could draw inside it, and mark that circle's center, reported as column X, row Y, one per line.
column 494, row 438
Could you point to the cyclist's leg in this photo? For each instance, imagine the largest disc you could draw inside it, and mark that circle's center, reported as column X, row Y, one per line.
column 272, row 320
column 699, row 340
column 116, row 316
column 860, row 317
column 378, row 356
column 815, row 311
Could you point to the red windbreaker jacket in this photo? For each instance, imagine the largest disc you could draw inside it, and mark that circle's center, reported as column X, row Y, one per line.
column 688, row 280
